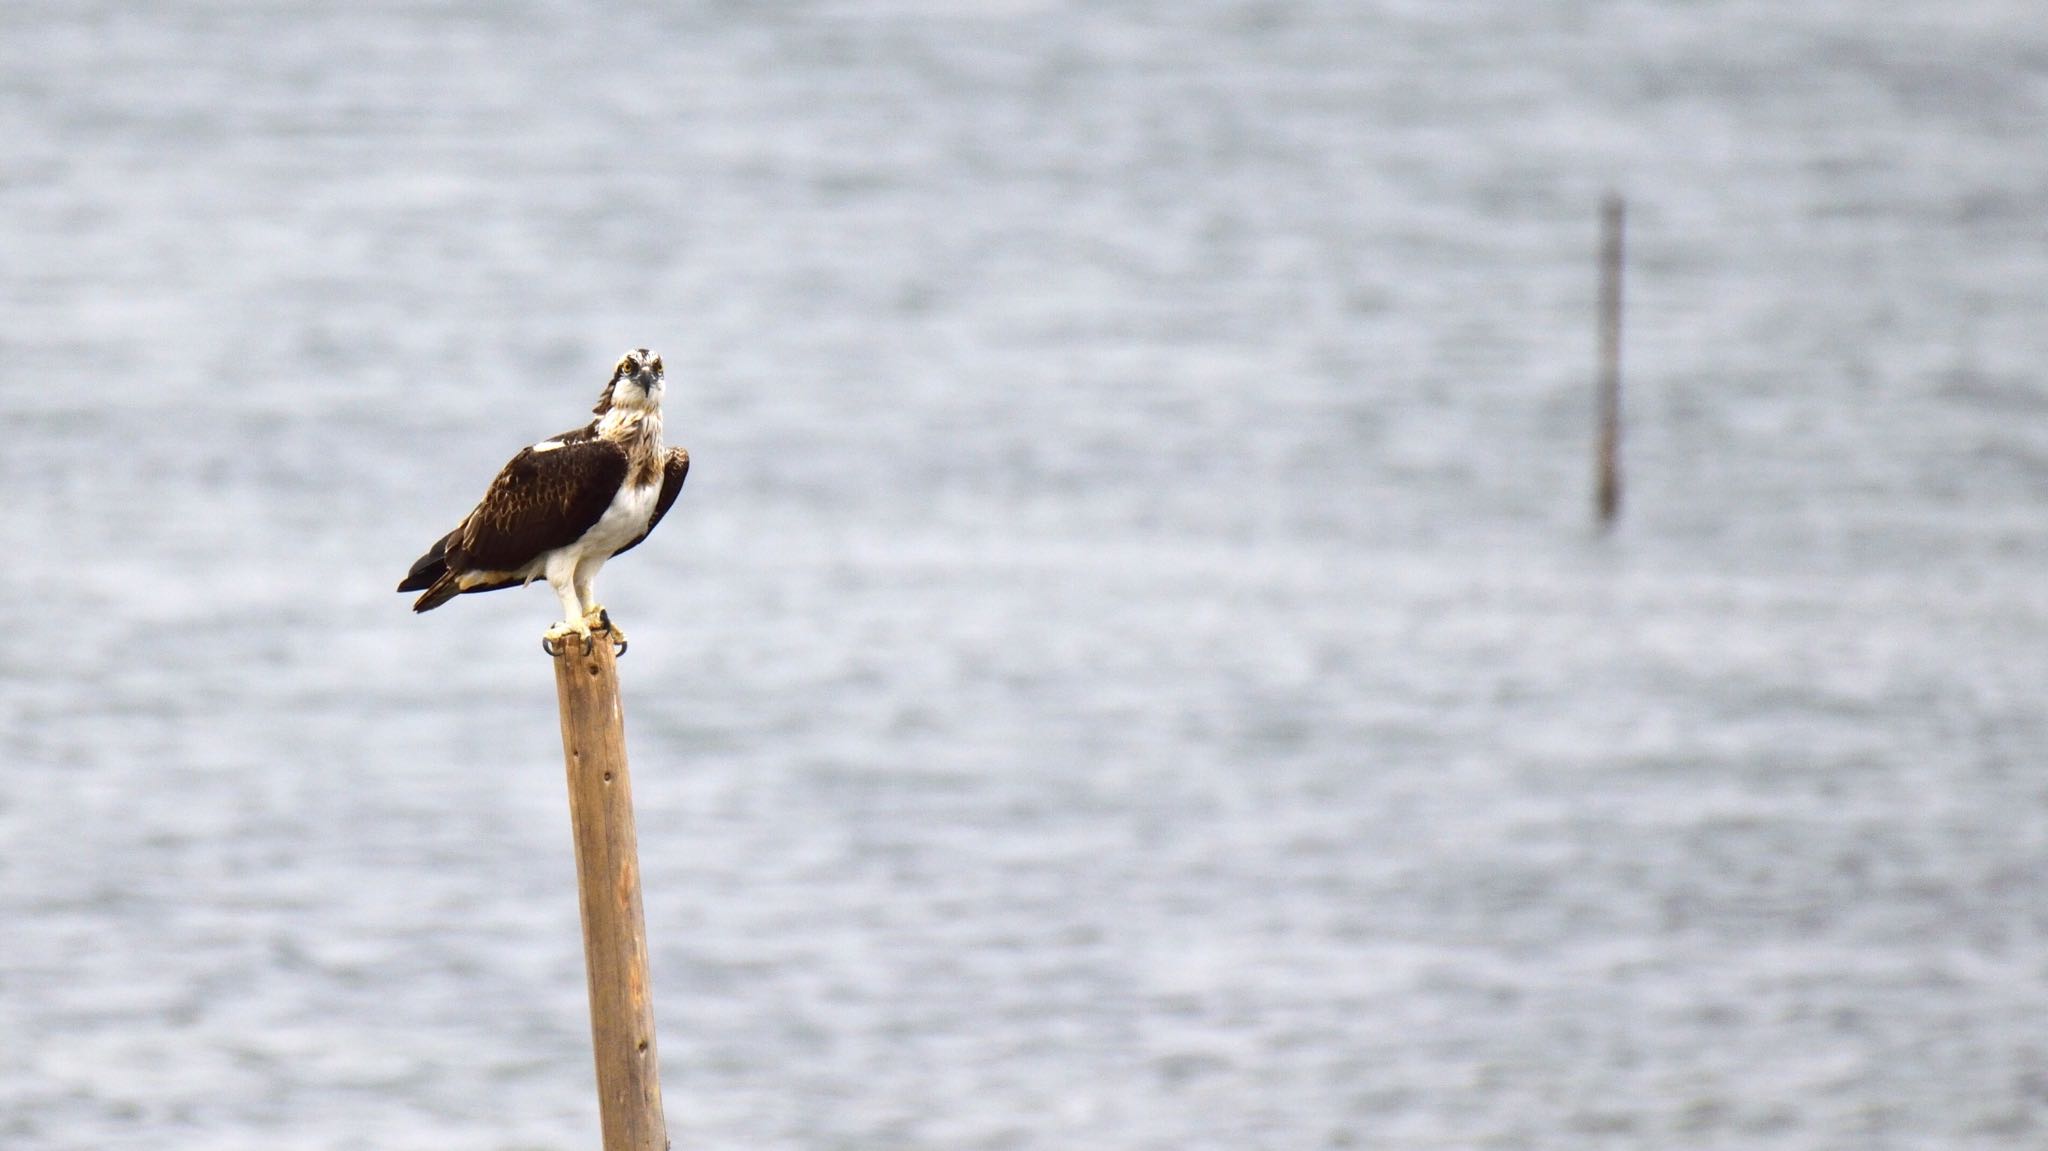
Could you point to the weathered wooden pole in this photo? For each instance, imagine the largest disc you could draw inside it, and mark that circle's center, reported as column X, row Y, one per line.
column 608, row 886
column 1607, row 491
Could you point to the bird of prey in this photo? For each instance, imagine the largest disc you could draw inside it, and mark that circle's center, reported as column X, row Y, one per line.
column 564, row 506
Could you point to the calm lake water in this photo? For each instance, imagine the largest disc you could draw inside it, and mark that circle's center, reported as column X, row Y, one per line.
column 1131, row 669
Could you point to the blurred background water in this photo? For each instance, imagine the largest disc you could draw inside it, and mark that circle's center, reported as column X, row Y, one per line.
column 1131, row 668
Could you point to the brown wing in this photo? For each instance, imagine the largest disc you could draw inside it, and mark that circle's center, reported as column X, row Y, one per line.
column 672, row 476
column 542, row 500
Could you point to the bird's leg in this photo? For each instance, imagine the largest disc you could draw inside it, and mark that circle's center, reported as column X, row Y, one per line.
column 562, row 580
column 594, row 615
column 586, row 600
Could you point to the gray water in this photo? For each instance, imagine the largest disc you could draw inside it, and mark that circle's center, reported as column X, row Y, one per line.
column 1131, row 668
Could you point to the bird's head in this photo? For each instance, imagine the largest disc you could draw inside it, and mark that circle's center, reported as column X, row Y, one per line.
column 635, row 384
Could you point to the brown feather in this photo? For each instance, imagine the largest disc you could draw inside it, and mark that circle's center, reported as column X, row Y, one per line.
column 443, row 589
column 428, row 568
column 540, row 501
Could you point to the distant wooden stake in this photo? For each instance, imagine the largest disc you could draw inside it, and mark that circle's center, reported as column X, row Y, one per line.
column 1607, row 498
column 608, row 885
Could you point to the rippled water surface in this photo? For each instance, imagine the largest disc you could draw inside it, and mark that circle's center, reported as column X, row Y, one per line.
column 1131, row 668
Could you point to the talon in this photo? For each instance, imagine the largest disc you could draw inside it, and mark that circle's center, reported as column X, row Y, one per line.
column 599, row 619
column 551, row 640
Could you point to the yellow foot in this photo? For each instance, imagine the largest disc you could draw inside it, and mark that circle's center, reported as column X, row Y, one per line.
column 599, row 619
column 551, row 639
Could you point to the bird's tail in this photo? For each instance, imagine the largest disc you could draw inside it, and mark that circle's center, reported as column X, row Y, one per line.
column 447, row 587
column 430, row 574
column 428, row 568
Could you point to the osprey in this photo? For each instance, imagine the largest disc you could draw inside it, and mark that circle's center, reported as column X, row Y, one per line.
column 564, row 506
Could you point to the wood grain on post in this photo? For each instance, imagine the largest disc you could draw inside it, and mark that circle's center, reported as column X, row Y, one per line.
column 608, row 885
column 1607, row 495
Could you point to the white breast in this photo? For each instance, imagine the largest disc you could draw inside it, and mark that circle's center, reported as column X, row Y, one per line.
column 625, row 519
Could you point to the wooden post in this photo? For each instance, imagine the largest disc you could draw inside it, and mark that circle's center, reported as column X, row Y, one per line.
column 1607, row 495
column 608, row 885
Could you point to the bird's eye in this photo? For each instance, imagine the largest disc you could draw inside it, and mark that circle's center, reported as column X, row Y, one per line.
column 656, row 365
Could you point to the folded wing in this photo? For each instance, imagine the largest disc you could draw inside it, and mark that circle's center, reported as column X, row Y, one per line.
column 544, row 499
